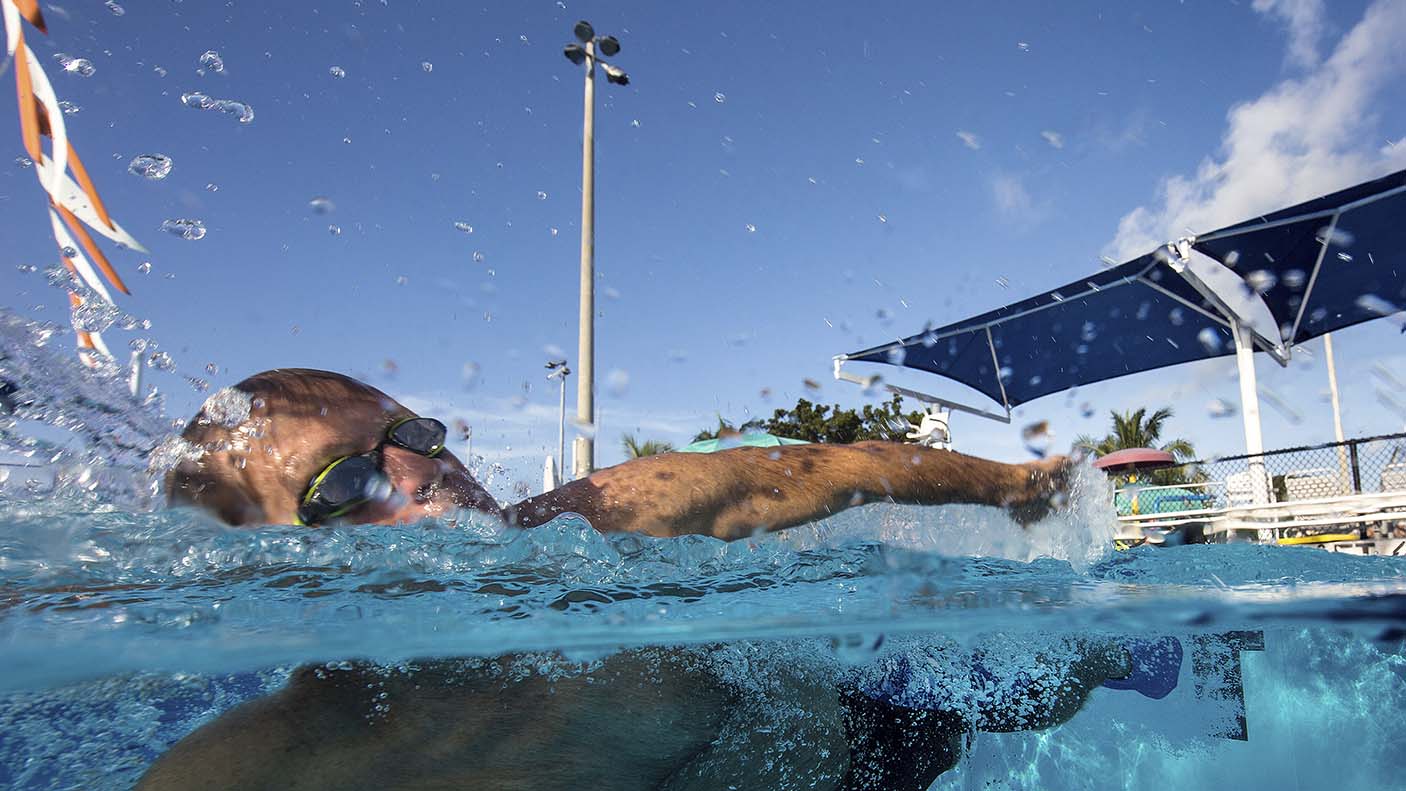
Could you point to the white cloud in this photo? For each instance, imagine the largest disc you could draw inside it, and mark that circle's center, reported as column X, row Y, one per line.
column 1055, row 139
column 1011, row 196
column 1304, row 137
column 1305, row 21
column 969, row 139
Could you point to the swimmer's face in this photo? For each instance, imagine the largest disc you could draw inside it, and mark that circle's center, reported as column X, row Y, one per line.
column 421, row 486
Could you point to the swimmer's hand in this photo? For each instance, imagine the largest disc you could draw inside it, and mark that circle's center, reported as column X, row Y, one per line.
column 1046, row 489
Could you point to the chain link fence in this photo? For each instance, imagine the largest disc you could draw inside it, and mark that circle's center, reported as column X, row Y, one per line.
column 1334, row 469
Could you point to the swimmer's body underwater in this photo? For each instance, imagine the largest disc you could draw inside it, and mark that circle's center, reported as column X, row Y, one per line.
column 319, row 447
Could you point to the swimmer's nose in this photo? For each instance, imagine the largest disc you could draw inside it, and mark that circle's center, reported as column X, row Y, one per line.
column 410, row 472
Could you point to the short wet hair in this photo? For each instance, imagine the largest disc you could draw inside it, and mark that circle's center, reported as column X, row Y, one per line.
column 252, row 448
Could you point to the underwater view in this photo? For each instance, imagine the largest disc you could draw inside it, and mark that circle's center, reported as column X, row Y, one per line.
column 843, row 397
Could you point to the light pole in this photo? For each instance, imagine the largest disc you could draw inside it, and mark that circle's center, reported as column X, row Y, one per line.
column 583, row 52
column 559, row 371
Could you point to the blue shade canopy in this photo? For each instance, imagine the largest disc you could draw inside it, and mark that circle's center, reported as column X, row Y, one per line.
column 1325, row 264
column 1288, row 276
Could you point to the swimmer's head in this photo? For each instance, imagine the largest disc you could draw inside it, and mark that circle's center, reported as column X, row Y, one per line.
column 268, row 437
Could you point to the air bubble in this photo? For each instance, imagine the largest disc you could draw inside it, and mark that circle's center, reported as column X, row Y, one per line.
column 460, row 225
column 337, row 72
column 144, row 267
column 751, row 228
column 541, row 195
column 335, row 230
column 322, row 205
column 719, row 97
column 116, row 9
column 426, row 66
column 1210, row 340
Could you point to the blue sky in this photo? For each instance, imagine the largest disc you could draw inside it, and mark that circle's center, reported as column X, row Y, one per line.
column 780, row 182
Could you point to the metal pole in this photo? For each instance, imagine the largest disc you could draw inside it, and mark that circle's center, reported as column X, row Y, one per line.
column 584, row 461
column 1337, row 408
column 561, row 430
column 1250, row 409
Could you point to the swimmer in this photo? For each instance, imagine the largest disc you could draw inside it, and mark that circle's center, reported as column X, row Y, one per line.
column 317, row 447
column 313, row 448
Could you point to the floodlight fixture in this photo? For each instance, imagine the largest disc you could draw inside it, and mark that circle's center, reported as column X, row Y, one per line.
column 574, row 53
column 615, row 74
column 584, row 32
column 609, row 45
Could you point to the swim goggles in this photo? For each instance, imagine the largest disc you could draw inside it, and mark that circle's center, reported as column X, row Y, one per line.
column 349, row 481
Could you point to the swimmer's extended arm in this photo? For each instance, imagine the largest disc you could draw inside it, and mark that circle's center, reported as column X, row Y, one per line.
column 735, row 493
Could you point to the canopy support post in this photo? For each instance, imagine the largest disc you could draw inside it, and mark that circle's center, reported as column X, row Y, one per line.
column 1250, row 409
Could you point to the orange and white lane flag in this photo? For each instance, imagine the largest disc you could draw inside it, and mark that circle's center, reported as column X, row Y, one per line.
column 73, row 200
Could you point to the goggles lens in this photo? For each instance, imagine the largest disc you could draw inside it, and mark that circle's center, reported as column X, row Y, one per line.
column 422, row 435
column 342, row 486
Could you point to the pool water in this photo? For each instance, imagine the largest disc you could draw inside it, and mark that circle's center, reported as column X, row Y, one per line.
column 122, row 632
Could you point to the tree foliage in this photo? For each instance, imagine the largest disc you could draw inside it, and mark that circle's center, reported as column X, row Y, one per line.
column 821, row 423
column 636, row 448
column 1137, row 429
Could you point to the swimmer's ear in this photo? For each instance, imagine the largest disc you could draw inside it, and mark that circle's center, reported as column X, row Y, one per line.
column 189, row 485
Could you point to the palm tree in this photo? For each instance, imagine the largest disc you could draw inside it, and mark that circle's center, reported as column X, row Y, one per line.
column 1137, row 429
column 636, row 449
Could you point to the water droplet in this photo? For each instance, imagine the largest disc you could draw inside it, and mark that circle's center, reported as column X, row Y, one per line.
column 1037, row 438
column 144, row 267
column 1177, row 317
column 24, row 162
column 116, row 9
column 896, row 355
column 719, row 98
column 617, row 382
column 1024, row 47
column 212, row 187
column 191, row 230
column 460, row 225
column 1086, row 409
column 554, row 231
column 160, row 72
column 1345, row 257
column 150, row 166
column 1376, row 305
column 69, row 108
column 212, row 61
column 427, row 66
column 883, row 218
column 94, row 315
column 1261, row 280
column 346, row 140
column 1219, row 407
column 201, row 101
column 212, row 369
column 161, row 361
column 541, row 195
column 1210, row 340
column 80, row 66
column 1003, row 282
column 68, row 252
column 401, row 280
column 335, row 230
column 322, row 205
column 635, row 123
column 751, row 228
column 479, row 257
column 337, row 71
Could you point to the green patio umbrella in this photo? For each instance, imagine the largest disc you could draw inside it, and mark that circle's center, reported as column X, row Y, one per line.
column 751, row 439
